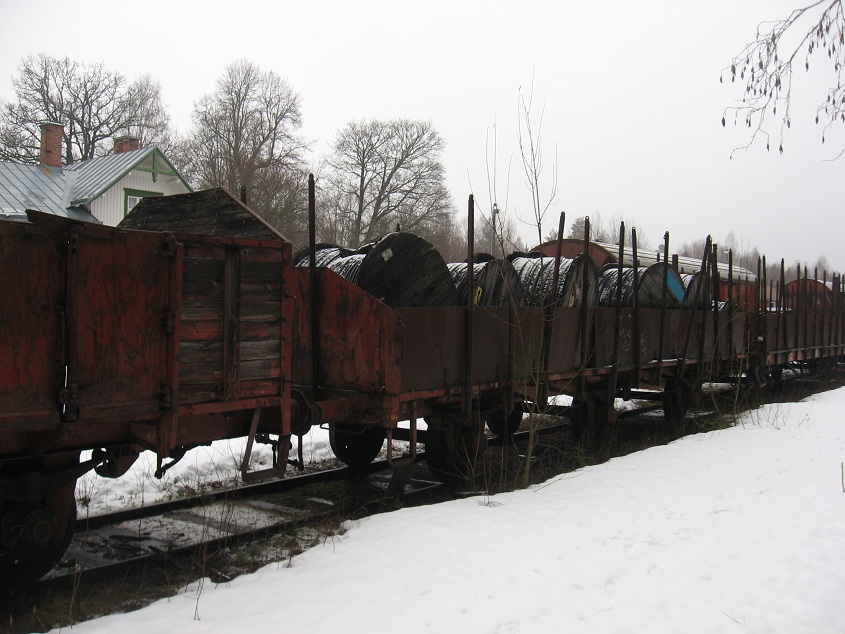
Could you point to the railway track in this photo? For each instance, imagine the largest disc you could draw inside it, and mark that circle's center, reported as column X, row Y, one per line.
column 130, row 557
column 214, row 522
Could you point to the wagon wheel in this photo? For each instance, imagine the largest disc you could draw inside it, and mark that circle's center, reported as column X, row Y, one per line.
column 355, row 445
column 582, row 422
column 504, row 426
column 775, row 383
column 34, row 538
column 774, row 376
column 675, row 411
column 454, row 452
column 678, row 398
column 824, row 369
column 592, row 421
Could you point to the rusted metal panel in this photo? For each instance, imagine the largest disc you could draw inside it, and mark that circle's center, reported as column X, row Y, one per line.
column 769, row 327
column 434, row 358
column 565, row 351
column 32, row 291
column 433, row 349
column 735, row 334
column 789, row 334
column 118, row 308
column 528, row 344
column 359, row 338
column 492, row 328
column 605, row 324
column 97, row 333
column 649, row 334
column 687, row 337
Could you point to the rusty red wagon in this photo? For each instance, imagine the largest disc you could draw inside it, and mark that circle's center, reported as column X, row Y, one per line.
column 120, row 340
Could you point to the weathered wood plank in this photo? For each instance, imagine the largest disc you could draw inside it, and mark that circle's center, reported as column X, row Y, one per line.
column 252, row 389
column 213, row 212
column 205, row 352
column 261, row 271
column 204, row 251
column 262, row 369
column 202, row 311
column 260, row 291
column 203, row 331
column 205, row 265
column 198, row 288
column 191, row 395
column 265, row 329
column 261, row 311
column 199, row 373
column 257, row 350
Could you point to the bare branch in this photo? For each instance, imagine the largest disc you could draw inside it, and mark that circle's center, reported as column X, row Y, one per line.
column 766, row 66
column 543, row 193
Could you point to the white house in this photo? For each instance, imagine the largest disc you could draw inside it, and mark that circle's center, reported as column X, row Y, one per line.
column 101, row 190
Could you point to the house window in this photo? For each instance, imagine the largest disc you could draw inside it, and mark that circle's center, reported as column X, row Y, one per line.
column 132, row 197
column 131, row 201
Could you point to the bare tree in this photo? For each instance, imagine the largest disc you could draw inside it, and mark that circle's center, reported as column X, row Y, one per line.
column 497, row 232
column 604, row 230
column 693, row 249
column 450, row 239
column 508, row 239
column 822, row 265
column 543, row 189
column 766, row 66
column 576, row 229
column 282, row 200
column 245, row 135
column 148, row 119
column 387, row 173
column 93, row 103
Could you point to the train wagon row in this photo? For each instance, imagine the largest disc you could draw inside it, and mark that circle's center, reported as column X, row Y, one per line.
column 194, row 321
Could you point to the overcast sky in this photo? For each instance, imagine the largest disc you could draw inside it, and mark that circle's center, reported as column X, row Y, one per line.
column 629, row 93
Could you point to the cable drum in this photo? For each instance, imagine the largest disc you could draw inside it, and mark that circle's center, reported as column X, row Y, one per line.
column 403, row 269
column 325, row 254
column 582, row 273
column 458, row 271
column 697, row 286
column 347, row 267
column 650, row 286
column 536, row 272
column 496, row 283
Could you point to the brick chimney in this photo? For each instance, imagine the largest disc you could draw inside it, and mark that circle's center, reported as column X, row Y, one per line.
column 51, row 144
column 126, row 144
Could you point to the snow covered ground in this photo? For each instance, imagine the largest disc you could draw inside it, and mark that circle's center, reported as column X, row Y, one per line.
column 203, row 468
column 741, row 530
